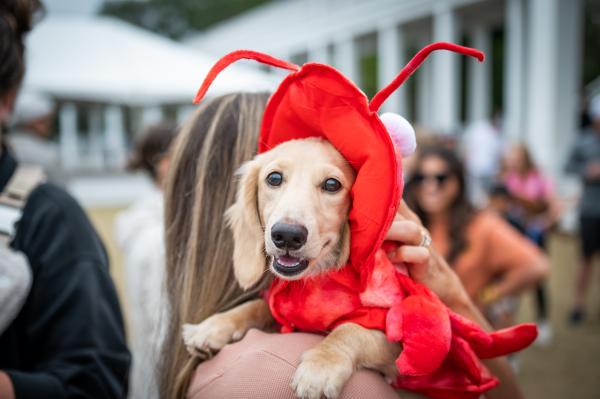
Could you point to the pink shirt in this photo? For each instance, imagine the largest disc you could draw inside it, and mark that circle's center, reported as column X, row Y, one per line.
column 533, row 186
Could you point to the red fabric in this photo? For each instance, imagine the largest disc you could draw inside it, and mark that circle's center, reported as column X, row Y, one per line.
column 236, row 56
column 440, row 349
column 318, row 101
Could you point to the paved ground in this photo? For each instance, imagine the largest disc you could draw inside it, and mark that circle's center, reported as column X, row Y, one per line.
column 569, row 368
column 103, row 219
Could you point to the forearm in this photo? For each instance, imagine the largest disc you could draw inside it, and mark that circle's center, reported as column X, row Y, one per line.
column 535, row 207
column 517, row 280
column 508, row 387
column 460, row 302
column 6, row 387
column 434, row 272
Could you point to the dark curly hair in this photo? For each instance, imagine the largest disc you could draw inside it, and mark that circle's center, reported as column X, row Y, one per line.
column 461, row 210
column 16, row 19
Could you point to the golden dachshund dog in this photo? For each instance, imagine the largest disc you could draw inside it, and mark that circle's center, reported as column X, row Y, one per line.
column 290, row 217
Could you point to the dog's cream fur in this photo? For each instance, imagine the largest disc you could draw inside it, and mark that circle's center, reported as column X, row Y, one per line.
column 300, row 199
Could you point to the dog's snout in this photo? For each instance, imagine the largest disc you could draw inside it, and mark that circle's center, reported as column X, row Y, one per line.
column 288, row 236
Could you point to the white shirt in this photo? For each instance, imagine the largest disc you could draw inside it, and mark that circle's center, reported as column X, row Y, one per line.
column 140, row 234
column 483, row 149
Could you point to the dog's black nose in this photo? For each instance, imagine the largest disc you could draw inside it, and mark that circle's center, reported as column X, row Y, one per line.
column 288, row 236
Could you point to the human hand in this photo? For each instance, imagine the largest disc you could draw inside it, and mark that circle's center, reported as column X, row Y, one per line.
column 424, row 264
column 427, row 267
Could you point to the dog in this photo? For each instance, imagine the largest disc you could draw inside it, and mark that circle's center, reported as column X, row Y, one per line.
column 291, row 216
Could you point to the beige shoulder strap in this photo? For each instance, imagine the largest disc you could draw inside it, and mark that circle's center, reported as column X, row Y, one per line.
column 13, row 197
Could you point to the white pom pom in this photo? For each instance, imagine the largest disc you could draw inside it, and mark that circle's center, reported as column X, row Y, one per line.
column 401, row 131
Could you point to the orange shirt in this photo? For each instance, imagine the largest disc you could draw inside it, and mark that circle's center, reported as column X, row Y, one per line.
column 492, row 248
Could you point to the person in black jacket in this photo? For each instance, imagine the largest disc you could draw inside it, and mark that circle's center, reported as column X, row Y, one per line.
column 68, row 339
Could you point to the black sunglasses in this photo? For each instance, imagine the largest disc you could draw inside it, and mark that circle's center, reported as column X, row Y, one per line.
column 440, row 178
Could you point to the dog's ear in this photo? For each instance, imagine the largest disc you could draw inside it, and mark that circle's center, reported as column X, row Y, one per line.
column 344, row 245
column 249, row 259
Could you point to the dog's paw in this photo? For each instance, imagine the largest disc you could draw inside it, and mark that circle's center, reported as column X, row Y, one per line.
column 322, row 373
column 210, row 335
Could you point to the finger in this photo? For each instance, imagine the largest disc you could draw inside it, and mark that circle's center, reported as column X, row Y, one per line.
column 405, row 212
column 406, row 232
column 410, row 254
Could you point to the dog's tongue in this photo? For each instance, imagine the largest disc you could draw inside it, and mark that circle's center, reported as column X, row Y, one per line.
column 286, row 260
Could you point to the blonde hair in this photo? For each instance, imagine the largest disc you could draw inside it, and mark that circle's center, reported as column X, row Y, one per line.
column 212, row 145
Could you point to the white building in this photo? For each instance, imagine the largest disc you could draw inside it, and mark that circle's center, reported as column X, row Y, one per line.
column 540, row 65
column 109, row 79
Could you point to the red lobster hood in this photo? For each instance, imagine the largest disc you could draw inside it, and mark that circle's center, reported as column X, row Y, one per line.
column 316, row 100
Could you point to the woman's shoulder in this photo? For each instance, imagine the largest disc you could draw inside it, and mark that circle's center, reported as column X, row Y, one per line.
column 485, row 220
column 486, row 223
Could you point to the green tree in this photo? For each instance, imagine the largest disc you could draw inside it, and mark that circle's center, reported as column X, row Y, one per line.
column 176, row 18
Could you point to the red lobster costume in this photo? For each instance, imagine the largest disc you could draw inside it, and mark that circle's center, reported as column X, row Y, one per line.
column 441, row 350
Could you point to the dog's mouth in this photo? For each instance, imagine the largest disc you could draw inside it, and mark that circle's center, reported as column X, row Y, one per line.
column 289, row 266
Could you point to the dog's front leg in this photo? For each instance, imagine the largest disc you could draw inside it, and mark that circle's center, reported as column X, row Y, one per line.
column 325, row 368
column 222, row 328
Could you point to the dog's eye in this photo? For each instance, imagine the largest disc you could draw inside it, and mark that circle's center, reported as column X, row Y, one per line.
column 331, row 185
column 274, row 179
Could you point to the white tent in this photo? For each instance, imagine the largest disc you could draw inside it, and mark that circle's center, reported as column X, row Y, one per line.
column 102, row 59
column 99, row 67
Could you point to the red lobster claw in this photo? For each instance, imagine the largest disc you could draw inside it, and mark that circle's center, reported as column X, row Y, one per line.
column 498, row 343
column 423, row 327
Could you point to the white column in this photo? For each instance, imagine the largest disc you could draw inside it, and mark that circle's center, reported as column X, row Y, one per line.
column 95, row 145
column 479, row 74
column 69, row 146
column 390, row 60
column 541, row 128
column 445, row 104
column 514, row 70
column 346, row 58
column 423, row 94
column 114, row 137
column 319, row 53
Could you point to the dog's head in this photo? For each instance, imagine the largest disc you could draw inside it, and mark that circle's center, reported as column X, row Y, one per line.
column 291, row 212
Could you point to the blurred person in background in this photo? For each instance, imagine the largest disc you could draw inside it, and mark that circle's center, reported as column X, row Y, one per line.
column 490, row 257
column 532, row 198
column 29, row 137
column 501, row 202
column 585, row 162
column 220, row 136
column 502, row 312
column 140, row 234
column 482, row 147
column 424, row 138
column 67, row 340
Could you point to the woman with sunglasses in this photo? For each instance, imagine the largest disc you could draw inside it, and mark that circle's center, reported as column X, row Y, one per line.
column 490, row 257
column 220, row 136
